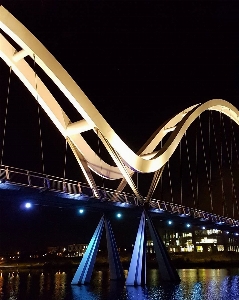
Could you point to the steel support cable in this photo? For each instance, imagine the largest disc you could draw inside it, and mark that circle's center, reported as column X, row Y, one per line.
column 64, row 171
column 99, row 152
column 196, row 159
column 220, row 168
column 209, row 153
column 137, row 180
column 222, row 154
column 209, row 147
column 39, row 118
column 230, row 168
column 233, row 140
column 181, row 172
column 235, row 144
column 205, row 161
column 190, row 171
column 161, row 178
column 6, row 112
column 170, row 182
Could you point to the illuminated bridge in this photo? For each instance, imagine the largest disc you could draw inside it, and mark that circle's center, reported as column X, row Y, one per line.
column 189, row 164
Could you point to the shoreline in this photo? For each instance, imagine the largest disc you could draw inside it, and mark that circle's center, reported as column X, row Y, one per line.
column 180, row 261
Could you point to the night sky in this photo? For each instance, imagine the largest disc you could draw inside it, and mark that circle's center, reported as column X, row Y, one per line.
column 139, row 62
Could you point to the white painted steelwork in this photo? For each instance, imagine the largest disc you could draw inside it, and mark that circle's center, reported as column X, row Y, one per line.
column 147, row 160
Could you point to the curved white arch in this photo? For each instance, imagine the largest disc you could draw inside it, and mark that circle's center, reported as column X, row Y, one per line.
column 146, row 160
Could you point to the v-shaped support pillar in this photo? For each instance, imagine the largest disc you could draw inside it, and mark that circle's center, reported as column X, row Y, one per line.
column 166, row 270
column 116, row 270
column 85, row 269
column 137, row 268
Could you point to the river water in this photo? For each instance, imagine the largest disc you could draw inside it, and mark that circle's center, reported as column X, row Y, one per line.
column 196, row 284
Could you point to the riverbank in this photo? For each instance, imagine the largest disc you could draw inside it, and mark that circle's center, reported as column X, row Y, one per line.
column 205, row 260
column 179, row 260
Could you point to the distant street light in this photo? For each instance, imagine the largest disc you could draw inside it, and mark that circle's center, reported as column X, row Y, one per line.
column 28, row 205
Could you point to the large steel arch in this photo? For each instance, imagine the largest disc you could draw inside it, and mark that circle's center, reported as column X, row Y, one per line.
column 146, row 160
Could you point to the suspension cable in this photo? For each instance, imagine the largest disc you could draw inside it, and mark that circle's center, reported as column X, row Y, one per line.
column 64, row 171
column 221, row 161
column 170, row 183
column 103, row 182
column 181, row 173
column 209, row 146
column 190, row 171
column 6, row 111
column 224, row 207
column 235, row 146
column 161, row 178
column 39, row 118
column 230, row 168
column 205, row 161
column 196, row 159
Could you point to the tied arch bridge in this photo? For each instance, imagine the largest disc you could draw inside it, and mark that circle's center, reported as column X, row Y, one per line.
column 152, row 157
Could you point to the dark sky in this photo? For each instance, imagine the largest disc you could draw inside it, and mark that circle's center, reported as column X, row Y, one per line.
column 139, row 62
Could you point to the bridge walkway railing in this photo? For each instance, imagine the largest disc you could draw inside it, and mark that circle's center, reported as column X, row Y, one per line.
column 52, row 183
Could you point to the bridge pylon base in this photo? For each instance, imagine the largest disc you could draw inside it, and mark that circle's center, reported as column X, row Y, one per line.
column 116, row 270
column 84, row 272
column 137, row 269
column 166, row 270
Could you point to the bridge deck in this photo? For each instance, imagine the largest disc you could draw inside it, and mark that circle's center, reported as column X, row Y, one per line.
column 19, row 186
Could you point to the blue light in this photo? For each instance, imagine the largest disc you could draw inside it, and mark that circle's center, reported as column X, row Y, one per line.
column 81, row 211
column 203, row 228
column 118, row 215
column 170, row 222
column 28, row 205
column 188, row 225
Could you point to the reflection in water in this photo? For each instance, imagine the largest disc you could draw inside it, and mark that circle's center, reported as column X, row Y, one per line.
column 28, row 282
column 83, row 292
column 196, row 292
column 41, row 284
column 1, row 284
column 196, row 284
column 60, row 285
column 138, row 293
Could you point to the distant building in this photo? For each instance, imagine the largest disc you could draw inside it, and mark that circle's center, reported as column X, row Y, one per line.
column 77, row 249
column 69, row 251
column 58, row 250
column 197, row 240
